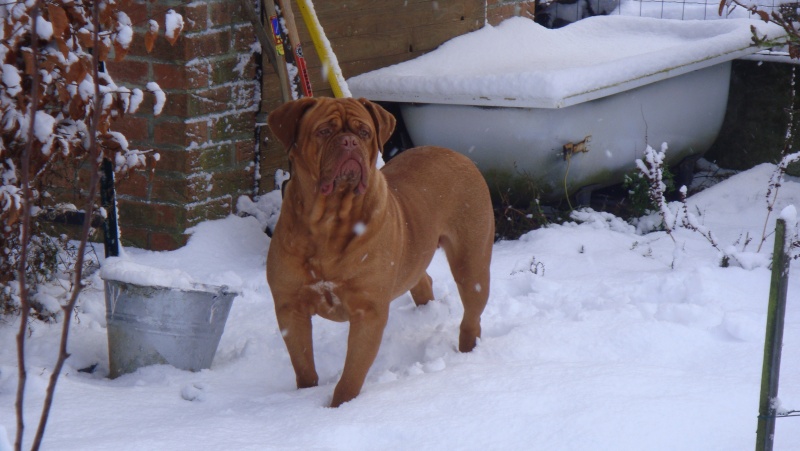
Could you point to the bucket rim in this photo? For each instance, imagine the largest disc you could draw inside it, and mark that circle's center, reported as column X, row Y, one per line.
column 220, row 290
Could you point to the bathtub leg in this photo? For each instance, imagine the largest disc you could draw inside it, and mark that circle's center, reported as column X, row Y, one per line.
column 685, row 171
column 583, row 196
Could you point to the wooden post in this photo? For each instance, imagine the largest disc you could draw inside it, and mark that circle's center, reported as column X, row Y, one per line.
column 108, row 200
column 765, row 434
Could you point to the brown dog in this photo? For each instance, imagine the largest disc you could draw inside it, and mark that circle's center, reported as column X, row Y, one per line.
column 351, row 238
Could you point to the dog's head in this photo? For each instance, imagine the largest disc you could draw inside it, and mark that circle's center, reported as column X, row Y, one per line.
column 336, row 140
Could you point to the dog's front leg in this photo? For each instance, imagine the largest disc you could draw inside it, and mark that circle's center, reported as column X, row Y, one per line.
column 294, row 322
column 366, row 331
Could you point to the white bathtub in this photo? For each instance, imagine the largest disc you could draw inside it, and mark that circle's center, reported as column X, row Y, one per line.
column 512, row 97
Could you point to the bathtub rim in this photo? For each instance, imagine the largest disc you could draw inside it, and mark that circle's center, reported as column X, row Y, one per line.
column 554, row 103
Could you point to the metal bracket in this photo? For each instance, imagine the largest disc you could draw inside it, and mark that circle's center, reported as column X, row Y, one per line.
column 569, row 149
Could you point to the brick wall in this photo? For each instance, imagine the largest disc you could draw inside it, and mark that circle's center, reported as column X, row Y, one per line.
column 206, row 134
column 499, row 10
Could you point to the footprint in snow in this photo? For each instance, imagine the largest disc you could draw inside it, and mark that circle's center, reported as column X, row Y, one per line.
column 195, row 391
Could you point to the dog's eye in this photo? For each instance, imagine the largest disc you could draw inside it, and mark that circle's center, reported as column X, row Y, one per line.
column 364, row 133
column 323, row 133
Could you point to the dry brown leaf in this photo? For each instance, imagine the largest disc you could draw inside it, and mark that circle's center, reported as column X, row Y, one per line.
column 119, row 52
column 102, row 53
column 174, row 39
column 794, row 51
column 150, row 40
column 11, row 215
column 76, row 73
column 27, row 56
column 108, row 18
column 63, row 94
column 58, row 17
column 76, row 108
column 50, row 62
column 85, row 38
column 62, row 46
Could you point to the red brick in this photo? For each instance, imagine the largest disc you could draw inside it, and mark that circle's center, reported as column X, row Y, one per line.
column 148, row 215
column 137, row 11
column 133, row 184
column 165, row 241
column 211, row 209
column 206, row 44
column 178, row 76
column 177, row 160
column 195, row 17
column 227, row 12
column 245, row 152
column 234, row 126
column 171, row 190
column 134, row 236
column 130, row 71
column 231, row 183
column 243, row 38
column 179, row 133
column 134, row 128
column 211, row 100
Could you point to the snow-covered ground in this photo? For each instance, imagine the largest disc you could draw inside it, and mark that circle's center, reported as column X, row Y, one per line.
column 595, row 338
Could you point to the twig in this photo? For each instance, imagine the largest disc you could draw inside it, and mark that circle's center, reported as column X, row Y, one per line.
column 94, row 153
column 26, row 235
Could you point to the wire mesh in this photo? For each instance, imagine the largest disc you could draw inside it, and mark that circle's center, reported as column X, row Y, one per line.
column 559, row 13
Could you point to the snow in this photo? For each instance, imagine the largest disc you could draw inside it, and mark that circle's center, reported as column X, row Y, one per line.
column 11, row 79
column 135, row 100
column 124, row 30
column 161, row 98
column 493, row 66
column 43, row 126
column 44, row 29
column 789, row 214
column 595, row 336
column 173, row 24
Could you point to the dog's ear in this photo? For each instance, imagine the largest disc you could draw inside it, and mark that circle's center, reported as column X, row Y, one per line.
column 285, row 119
column 384, row 121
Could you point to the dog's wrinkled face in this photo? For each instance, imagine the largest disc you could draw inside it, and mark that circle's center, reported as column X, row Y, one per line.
column 336, row 140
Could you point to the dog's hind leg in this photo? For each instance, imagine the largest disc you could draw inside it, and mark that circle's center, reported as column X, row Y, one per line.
column 469, row 263
column 422, row 292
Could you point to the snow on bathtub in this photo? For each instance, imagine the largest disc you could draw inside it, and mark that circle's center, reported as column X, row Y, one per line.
column 569, row 109
column 522, row 64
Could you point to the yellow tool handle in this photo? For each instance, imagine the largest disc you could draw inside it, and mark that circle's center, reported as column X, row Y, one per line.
column 329, row 62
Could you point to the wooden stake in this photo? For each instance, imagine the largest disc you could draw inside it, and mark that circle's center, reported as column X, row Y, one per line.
column 301, row 83
column 765, row 434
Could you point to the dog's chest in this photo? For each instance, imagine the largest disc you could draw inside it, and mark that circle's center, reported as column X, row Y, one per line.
column 326, row 302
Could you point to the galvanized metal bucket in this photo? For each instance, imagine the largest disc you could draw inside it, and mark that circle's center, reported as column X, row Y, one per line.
column 149, row 325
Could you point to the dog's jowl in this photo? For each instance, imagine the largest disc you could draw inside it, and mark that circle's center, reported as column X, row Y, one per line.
column 351, row 238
